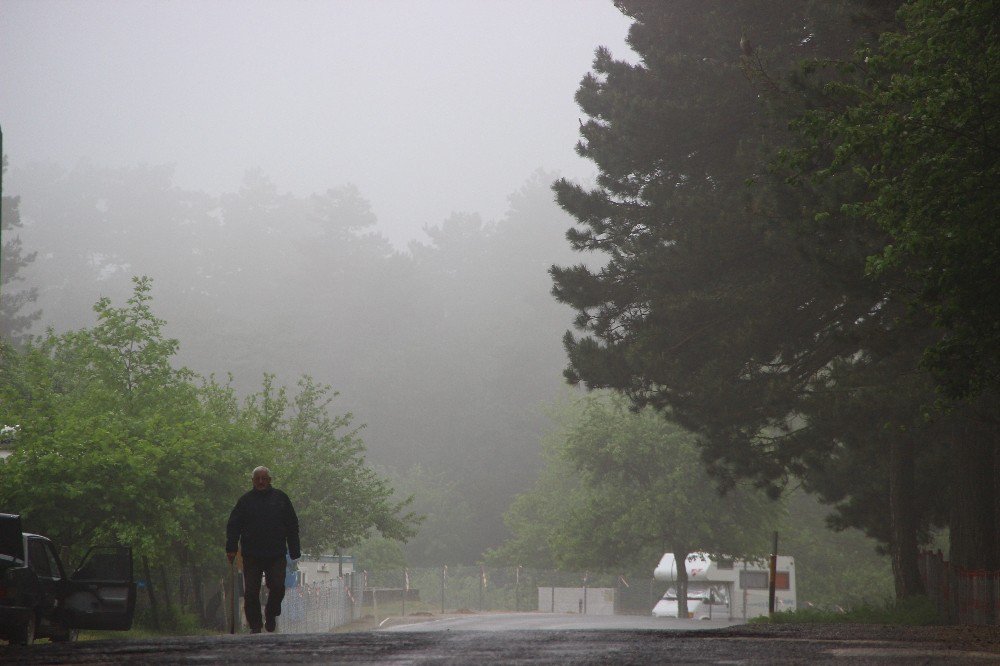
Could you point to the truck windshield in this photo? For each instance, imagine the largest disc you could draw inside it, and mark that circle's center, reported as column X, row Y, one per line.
column 701, row 592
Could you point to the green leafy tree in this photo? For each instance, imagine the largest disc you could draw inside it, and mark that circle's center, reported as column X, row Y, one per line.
column 836, row 567
column 378, row 554
column 535, row 518
column 841, row 567
column 919, row 124
column 640, row 490
column 907, row 122
column 339, row 499
column 116, row 445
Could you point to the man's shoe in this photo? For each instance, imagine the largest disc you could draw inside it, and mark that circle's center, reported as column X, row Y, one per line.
column 269, row 624
column 254, row 630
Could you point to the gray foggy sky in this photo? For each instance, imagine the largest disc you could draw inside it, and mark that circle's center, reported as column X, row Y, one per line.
column 428, row 106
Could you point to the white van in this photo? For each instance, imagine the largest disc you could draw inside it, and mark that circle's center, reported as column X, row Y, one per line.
column 726, row 588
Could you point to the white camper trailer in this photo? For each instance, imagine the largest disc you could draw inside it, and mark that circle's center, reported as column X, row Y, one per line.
column 726, row 589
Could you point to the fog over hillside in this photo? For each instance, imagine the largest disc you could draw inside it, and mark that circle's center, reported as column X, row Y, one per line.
column 355, row 191
column 427, row 107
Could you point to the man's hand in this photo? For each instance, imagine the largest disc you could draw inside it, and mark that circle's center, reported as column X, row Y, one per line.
column 230, row 557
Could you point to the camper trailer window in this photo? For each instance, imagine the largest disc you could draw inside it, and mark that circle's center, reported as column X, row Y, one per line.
column 753, row 580
column 781, row 580
column 724, row 564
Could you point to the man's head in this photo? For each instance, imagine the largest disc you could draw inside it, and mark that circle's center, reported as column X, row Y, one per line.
column 261, row 478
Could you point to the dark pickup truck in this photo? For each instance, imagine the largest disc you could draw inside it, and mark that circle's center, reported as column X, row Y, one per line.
column 38, row 600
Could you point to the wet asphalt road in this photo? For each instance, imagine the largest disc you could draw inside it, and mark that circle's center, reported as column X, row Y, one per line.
column 548, row 622
column 840, row 644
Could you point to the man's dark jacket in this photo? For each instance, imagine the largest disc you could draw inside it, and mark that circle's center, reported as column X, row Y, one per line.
column 264, row 521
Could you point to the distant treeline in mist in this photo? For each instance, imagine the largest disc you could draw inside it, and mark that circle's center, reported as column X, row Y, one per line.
column 445, row 351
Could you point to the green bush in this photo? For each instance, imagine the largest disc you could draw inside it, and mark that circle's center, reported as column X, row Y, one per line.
column 915, row 611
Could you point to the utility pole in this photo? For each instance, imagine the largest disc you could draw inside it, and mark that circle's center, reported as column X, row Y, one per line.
column 774, row 573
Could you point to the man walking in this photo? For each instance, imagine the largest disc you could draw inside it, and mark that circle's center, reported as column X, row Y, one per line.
column 263, row 521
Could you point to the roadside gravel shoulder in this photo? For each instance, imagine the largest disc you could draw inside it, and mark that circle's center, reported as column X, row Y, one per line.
column 942, row 637
column 963, row 637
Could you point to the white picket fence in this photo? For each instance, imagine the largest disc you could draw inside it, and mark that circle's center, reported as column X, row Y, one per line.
column 319, row 607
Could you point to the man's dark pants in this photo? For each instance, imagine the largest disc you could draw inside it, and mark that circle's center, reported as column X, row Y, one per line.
column 273, row 570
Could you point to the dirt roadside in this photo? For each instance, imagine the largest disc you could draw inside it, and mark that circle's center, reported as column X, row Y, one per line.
column 983, row 639
column 945, row 637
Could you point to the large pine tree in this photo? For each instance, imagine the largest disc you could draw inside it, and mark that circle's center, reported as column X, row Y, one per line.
column 727, row 304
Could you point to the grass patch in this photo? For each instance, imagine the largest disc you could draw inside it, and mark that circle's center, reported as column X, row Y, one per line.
column 913, row 611
column 172, row 622
column 144, row 632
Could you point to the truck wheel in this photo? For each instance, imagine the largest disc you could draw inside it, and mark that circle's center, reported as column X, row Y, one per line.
column 66, row 635
column 25, row 635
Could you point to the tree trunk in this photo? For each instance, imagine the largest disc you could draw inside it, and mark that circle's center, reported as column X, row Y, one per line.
column 974, row 508
column 166, row 591
column 149, row 590
column 680, row 558
column 199, row 597
column 903, row 518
